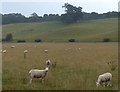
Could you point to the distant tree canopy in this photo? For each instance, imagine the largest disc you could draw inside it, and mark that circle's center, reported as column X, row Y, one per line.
column 13, row 18
column 9, row 37
column 72, row 15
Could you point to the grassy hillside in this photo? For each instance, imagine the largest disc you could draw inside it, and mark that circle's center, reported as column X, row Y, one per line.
column 92, row 30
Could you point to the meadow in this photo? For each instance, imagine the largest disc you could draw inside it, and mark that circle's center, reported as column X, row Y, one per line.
column 83, row 31
column 78, row 65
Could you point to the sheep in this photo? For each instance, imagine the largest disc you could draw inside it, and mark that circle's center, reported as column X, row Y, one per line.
column 104, row 78
column 25, row 51
column 36, row 73
column 48, row 62
column 46, row 51
column 4, row 51
column 12, row 46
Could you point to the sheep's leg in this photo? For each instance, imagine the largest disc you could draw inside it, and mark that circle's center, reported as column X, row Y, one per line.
column 103, row 84
column 109, row 83
column 42, row 80
column 30, row 80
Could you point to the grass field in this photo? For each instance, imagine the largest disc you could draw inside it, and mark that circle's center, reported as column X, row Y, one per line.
column 92, row 30
column 77, row 69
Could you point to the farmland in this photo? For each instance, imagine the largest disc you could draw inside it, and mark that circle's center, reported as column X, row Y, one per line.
column 78, row 65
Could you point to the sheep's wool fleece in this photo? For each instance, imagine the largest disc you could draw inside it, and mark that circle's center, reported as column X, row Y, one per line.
column 37, row 73
column 104, row 76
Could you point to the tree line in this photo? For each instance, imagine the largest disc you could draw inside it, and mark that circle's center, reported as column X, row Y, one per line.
column 72, row 15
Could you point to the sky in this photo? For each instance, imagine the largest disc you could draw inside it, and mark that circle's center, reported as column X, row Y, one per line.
column 41, row 7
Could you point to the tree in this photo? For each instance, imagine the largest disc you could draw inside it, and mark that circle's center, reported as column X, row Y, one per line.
column 71, row 40
column 106, row 40
column 72, row 15
column 38, row 40
column 9, row 37
column 34, row 15
column 13, row 18
column 35, row 18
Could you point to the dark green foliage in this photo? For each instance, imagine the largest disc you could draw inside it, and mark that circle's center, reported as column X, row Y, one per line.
column 3, row 40
column 106, row 40
column 72, row 15
column 13, row 18
column 9, row 37
column 21, row 41
column 38, row 40
column 71, row 40
column 19, row 18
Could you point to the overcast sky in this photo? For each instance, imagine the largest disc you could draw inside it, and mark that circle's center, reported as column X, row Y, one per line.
column 27, row 7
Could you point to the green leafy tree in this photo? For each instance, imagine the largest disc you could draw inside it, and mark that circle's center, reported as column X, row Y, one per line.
column 9, row 37
column 73, row 13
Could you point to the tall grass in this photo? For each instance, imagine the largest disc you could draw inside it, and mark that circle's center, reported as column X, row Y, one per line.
column 76, row 69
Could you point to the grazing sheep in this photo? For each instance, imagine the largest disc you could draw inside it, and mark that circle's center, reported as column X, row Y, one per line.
column 36, row 73
column 25, row 51
column 4, row 51
column 12, row 46
column 48, row 62
column 104, row 78
column 46, row 51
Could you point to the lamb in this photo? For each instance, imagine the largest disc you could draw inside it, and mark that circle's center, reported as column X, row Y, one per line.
column 36, row 73
column 104, row 78
column 48, row 62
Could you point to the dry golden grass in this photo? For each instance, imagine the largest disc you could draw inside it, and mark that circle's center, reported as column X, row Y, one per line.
column 77, row 69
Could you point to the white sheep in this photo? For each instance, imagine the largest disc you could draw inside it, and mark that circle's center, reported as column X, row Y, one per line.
column 12, row 46
column 25, row 51
column 4, row 51
column 36, row 73
column 46, row 51
column 48, row 62
column 104, row 78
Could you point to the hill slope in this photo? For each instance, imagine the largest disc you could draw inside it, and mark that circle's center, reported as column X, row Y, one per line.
column 92, row 30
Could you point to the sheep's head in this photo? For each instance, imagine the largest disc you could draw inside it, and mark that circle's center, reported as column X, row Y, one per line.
column 46, row 69
column 97, row 83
